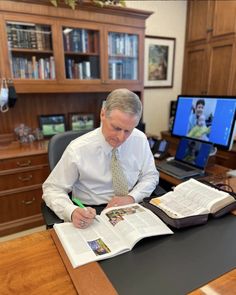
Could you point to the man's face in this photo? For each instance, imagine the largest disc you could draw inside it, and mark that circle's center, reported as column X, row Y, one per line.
column 117, row 127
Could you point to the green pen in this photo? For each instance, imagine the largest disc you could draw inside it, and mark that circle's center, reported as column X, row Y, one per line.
column 81, row 205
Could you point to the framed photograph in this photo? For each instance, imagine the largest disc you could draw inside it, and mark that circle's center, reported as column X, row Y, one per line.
column 79, row 121
column 52, row 124
column 159, row 62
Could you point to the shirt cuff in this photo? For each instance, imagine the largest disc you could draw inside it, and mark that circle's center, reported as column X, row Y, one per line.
column 68, row 212
column 137, row 198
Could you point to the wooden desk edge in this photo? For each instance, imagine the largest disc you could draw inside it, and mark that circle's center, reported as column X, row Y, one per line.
column 87, row 279
column 225, row 284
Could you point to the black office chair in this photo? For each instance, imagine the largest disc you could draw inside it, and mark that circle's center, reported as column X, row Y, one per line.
column 57, row 145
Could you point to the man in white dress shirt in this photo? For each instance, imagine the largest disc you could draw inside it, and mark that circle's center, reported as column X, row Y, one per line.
column 85, row 167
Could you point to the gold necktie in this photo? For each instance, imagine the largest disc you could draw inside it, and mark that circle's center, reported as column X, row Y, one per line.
column 120, row 184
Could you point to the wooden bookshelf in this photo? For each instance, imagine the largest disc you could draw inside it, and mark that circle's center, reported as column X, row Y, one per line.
column 51, row 77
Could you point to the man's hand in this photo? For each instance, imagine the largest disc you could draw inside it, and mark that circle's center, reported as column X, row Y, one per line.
column 119, row 201
column 82, row 217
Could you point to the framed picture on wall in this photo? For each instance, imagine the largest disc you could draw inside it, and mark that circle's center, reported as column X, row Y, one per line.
column 159, row 62
column 81, row 121
column 52, row 124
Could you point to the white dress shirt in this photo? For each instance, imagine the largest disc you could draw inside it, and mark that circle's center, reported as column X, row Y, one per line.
column 84, row 169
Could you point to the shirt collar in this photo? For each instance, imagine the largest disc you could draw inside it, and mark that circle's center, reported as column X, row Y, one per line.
column 104, row 144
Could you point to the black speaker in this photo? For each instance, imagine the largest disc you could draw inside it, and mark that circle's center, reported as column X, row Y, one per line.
column 173, row 104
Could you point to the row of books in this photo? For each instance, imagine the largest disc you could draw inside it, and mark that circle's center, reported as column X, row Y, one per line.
column 33, row 36
column 43, row 68
column 29, row 36
column 123, row 44
column 83, row 69
column 79, row 40
column 125, row 69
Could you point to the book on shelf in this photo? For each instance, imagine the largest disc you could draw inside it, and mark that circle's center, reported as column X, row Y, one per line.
column 191, row 203
column 116, row 232
column 86, row 70
column 94, row 62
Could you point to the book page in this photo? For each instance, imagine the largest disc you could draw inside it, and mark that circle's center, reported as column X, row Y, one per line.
column 118, row 229
column 192, row 198
column 91, row 244
column 134, row 222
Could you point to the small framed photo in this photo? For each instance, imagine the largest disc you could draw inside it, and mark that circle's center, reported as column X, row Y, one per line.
column 159, row 62
column 52, row 124
column 80, row 121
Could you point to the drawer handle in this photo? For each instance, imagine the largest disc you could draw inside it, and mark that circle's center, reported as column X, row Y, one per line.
column 26, row 178
column 23, row 164
column 28, row 202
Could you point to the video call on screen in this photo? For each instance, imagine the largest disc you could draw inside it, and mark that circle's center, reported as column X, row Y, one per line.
column 214, row 124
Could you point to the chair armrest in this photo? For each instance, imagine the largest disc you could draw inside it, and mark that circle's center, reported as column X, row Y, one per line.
column 50, row 218
column 158, row 191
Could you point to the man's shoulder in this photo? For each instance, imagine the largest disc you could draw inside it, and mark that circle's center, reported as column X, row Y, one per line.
column 137, row 138
column 86, row 139
column 137, row 133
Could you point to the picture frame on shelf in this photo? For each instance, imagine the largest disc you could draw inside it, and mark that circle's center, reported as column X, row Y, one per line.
column 81, row 121
column 159, row 62
column 52, row 124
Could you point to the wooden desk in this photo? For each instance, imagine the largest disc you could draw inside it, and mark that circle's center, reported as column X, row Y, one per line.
column 32, row 265
column 217, row 171
column 225, row 284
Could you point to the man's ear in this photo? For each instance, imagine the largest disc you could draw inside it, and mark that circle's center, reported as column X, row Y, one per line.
column 102, row 114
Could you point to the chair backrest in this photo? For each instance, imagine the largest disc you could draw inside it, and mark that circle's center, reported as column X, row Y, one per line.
column 58, row 143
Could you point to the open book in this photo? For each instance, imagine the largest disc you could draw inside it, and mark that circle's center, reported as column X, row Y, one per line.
column 190, row 203
column 118, row 230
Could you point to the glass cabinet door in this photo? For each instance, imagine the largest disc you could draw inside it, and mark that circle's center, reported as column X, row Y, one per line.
column 81, row 49
column 123, row 56
column 30, row 50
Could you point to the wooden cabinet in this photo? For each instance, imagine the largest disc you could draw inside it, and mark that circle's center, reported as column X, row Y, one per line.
column 195, row 70
column 60, row 50
column 198, row 20
column 23, row 169
column 66, row 61
column 210, row 19
column 209, row 65
column 209, row 68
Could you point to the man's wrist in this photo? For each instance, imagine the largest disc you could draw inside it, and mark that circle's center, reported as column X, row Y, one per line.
column 132, row 199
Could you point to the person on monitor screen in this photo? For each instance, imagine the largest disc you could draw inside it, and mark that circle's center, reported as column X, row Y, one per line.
column 85, row 166
column 197, row 111
column 191, row 152
column 200, row 131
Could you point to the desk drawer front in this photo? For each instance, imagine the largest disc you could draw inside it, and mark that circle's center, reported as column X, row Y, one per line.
column 20, row 205
column 23, row 179
column 23, row 162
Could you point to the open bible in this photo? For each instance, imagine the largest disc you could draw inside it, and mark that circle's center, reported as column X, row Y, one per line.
column 118, row 230
column 191, row 203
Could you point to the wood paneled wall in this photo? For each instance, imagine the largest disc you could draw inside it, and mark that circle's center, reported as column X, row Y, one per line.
column 29, row 106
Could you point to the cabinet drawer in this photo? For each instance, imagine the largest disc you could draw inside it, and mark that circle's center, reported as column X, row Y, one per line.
column 23, row 179
column 20, row 205
column 23, row 162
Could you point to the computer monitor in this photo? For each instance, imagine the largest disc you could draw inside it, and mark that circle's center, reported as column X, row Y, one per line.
column 209, row 118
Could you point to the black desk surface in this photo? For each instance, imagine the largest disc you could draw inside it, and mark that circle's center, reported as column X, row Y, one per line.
column 175, row 264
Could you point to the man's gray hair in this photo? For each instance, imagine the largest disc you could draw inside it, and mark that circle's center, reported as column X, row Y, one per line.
column 124, row 100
